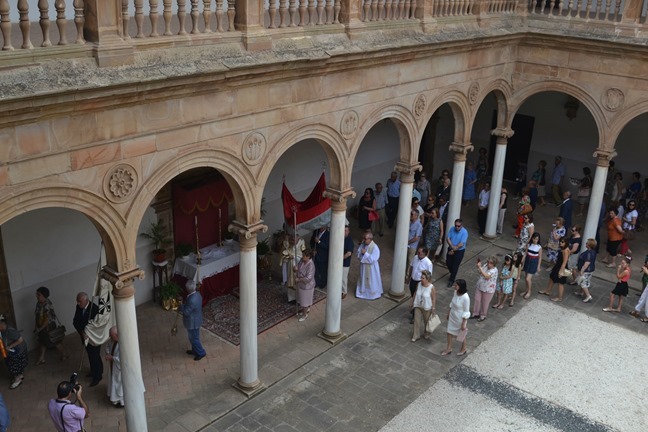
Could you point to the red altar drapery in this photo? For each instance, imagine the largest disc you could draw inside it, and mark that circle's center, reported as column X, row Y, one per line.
column 203, row 202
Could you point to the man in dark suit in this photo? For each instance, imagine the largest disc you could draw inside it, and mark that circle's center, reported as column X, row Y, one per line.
column 320, row 244
column 192, row 319
column 85, row 311
column 566, row 209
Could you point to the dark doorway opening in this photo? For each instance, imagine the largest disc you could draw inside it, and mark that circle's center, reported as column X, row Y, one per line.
column 518, row 146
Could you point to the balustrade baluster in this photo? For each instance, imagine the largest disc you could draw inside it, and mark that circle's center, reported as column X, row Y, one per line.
column 312, row 12
column 182, row 16
column 302, row 12
column 552, row 4
column 381, row 10
column 365, row 10
column 401, row 9
column 617, row 9
column 207, row 15
column 153, row 17
column 502, row 6
column 272, row 13
column 599, row 8
column 471, row 5
column 194, row 17
column 532, row 6
column 336, row 11
column 61, row 22
column 452, row 7
column 5, row 25
column 320, row 12
column 461, row 7
column 125, row 19
column 139, row 18
column 588, row 9
column 542, row 6
column 219, row 15
column 23, row 11
column 283, row 13
column 388, row 9
column 443, row 7
column 608, row 12
column 292, row 10
column 231, row 14
column 561, row 4
column 43, row 8
column 406, row 10
column 574, row 8
column 79, row 20
column 329, row 11
column 167, row 14
column 374, row 10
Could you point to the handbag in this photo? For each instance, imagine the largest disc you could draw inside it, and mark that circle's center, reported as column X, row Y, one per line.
column 525, row 209
column 462, row 335
column 629, row 234
column 565, row 273
column 432, row 323
column 56, row 333
column 373, row 215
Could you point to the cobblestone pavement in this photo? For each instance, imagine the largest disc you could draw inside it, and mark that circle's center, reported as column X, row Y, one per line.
column 360, row 384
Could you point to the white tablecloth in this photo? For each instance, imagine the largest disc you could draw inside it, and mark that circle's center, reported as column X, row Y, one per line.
column 214, row 260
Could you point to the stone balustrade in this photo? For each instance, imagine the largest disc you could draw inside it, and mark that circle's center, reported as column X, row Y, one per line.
column 74, row 27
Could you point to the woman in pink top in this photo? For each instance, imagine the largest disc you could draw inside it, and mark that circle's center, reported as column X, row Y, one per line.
column 621, row 288
column 486, row 285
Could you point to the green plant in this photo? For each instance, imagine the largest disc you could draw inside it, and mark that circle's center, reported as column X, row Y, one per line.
column 158, row 235
column 170, row 290
column 183, row 249
column 263, row 247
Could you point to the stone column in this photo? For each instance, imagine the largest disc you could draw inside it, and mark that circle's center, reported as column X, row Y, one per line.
column 502, row 134
column 103, row 27
column 332, row 332
column 249, row 20
column 397, row 290
column 456, row 188
column 124, row 295
column 248, row 383
column 596, row 195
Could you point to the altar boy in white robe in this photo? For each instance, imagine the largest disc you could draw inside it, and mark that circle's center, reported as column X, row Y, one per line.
column 115, row 388
column 369, row 282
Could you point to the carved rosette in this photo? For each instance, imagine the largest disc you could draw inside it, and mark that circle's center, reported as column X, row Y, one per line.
column 120, row 183
column 419, row 106
column 613, row 99
column 254, row 148
column 349, row 124
column 473, row 93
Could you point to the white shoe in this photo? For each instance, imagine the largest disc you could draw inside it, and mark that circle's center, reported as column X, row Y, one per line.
column 587, row 300
column 303, row 318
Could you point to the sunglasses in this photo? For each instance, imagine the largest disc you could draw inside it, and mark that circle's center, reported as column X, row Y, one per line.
column 457, row 226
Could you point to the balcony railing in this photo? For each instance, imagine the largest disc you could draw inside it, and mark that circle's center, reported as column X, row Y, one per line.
column 77, row 27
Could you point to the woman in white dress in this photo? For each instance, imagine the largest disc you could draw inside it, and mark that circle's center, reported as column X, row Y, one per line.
column 458, row 316
column 424, row 305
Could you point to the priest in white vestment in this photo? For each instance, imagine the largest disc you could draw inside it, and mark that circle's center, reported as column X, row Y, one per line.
column 115, row 387
column 369, row 282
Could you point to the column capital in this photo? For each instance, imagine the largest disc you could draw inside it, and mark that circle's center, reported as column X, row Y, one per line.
column 460, row 150
column 339, row 196
column 247, row 233
column 407, row 171
column 503, row 132
column 122, row 282
column 604, row 156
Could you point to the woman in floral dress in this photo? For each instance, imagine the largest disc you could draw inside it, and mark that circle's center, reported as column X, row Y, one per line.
column 553, row 248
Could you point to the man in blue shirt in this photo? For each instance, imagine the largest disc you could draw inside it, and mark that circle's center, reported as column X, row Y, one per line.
column 556, row 179
column 381, row 204
column 457, row 239
column 393, row 196
column 413, row 238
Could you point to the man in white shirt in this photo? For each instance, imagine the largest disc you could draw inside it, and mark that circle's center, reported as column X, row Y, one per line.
column 482, row 212
column 420, row 263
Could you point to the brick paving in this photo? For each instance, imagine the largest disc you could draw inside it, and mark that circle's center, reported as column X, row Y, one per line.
column 360, row 384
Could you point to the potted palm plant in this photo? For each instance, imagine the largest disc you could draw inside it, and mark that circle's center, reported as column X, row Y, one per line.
column 158, row 235
column 169, row 293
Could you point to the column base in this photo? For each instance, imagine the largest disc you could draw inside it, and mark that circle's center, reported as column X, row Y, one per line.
column 397, row 297
column 488, row 238
column 333, row 339
column 249, row 389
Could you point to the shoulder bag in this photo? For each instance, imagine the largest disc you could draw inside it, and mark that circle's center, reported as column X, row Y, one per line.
column 432, row 323
column 56, row 333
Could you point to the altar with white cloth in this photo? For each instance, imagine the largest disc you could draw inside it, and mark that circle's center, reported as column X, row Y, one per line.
column 218, row 272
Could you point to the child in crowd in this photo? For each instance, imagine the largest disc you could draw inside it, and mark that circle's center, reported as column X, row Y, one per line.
column 621, row 288
column 505, row 286
column 516, row 273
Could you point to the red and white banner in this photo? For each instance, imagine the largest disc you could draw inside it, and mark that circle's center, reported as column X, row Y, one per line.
column 310, row 214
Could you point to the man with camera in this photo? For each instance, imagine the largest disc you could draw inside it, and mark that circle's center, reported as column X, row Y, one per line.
column 66, row 415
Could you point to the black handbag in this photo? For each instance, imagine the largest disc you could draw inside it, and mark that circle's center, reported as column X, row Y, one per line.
column 55, row 333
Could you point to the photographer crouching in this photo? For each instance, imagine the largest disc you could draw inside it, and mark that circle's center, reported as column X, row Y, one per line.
column 65, row 414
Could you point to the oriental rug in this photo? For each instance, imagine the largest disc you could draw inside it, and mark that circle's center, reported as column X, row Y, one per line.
column 221, row 316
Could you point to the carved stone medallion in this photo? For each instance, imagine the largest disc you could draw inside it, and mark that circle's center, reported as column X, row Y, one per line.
column 613, row 99
column 120, row 183
column 473, row 93
column 254, row 148
column 419, row 106
column 349, row 124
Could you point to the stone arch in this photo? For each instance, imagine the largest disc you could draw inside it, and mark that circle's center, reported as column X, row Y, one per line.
column 622, row 119
column 236, row 174
column 109, row 223
column 503, row 93
column 331, row 142
column 405, row 125
column 559, row 86
column 460, row 108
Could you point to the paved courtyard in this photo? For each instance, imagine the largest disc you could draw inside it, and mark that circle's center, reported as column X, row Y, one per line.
column 535, row 366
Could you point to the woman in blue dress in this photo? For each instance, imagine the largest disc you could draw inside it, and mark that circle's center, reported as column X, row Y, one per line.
column 470, row 179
